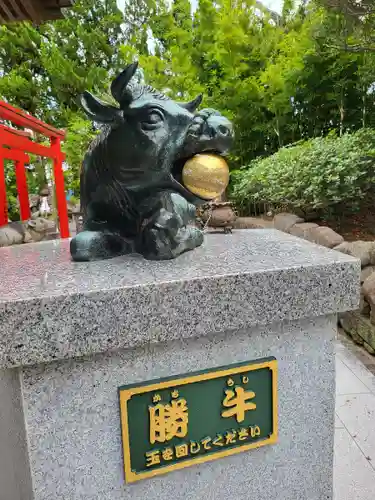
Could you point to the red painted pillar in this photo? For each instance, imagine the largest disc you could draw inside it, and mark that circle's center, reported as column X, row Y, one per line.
column 58, row 173
column 3, row 193
column 23, row 193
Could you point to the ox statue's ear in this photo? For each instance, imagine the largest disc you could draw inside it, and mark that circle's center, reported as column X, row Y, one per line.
column 119, row 84
column 192, row 105
column 98, row 110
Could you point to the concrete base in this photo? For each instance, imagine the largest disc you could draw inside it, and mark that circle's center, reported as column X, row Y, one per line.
column 72, row 417
column 71, row 334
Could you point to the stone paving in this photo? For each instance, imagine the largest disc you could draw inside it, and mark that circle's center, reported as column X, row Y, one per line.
column 354, row 467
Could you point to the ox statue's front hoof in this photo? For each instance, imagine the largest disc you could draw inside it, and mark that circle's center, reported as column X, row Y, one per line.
column 95, row 245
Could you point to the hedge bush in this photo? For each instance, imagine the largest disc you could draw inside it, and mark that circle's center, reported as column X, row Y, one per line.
column 310, row 175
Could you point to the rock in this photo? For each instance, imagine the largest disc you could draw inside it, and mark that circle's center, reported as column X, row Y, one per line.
column 343, row 322
column 359, row 326
column 34, row 201
column 363, row 250
column 356, row 338
column 372, row 314
column 366, row 272
column 368, row 348
column 29, row 231
column 284, row 221
column 325, row 236
column 303, row 229
column 368, row 289
column 364, row 306
column 252, row 223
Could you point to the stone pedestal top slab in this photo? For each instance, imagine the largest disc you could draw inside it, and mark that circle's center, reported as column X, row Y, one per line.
column 52, row 308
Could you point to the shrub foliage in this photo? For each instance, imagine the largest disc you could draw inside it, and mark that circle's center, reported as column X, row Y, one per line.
column 310, row 175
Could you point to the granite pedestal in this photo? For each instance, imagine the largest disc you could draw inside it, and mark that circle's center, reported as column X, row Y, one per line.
column 72, row 333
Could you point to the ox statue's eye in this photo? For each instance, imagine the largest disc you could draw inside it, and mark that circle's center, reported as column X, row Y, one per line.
column 153, row 119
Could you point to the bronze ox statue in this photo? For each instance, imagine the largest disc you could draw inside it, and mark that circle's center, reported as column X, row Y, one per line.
column 132, row 195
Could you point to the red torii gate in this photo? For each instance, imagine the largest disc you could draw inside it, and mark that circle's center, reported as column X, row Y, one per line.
column 14, row 144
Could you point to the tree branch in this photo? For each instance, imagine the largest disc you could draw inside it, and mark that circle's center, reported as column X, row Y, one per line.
column 359, row 49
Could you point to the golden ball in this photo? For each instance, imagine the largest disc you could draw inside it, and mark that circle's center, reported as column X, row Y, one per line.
column 206, row 176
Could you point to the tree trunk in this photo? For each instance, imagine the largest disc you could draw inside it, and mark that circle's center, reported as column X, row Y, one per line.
column 278, row 132
column 342, row 112
column 364, row 111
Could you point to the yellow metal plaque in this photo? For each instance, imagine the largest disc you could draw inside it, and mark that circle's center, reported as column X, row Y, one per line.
column 180, row 421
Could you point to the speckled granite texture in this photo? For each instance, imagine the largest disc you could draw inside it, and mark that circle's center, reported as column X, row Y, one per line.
column 73, row 422
column 52, row 308
column 15, row 477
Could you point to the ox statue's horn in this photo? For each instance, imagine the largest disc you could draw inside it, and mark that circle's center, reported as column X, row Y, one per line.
column 192, row 105
column 119, row 84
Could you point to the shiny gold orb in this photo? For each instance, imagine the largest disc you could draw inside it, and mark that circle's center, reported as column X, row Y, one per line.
column 206, row 175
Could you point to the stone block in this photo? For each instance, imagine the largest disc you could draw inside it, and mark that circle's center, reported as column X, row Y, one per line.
column 76, row 452
column 284, row 221
column 72, row 333
column 303, row 230
column 53, row 308
column 324, row 236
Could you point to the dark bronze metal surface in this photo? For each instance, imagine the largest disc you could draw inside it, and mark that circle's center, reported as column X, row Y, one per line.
column 132, row 195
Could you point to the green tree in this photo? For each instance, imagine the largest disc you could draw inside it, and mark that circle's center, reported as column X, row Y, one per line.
column 311, row 176
column 80, row 132
column 280, row 78
column 23, row 82
column 170, row 64
column 44, row 68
